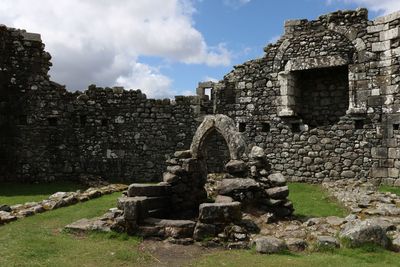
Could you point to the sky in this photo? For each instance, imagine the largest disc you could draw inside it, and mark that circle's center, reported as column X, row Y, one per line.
column 163, row 47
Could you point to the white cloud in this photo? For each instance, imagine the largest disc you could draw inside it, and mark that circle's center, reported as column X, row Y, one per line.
column 144, row 76
column 100, row 41
column 381, row 6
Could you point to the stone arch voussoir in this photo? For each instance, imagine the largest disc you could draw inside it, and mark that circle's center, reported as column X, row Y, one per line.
column 227, row 128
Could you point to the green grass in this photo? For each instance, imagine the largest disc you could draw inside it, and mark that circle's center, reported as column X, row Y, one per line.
column 14, row 193
column 40, row 241
column 312, row 201
column 392, row 189
column 362, row 257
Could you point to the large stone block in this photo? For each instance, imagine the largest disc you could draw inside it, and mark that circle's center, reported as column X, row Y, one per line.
column 173, row 228
column 381, row 46
column 362, row 232
column 277, row 179
column 394, row 153
column 134, row 207
column 235, row 166
column 148, row 190
column 229, row 186
column 389, row 34
column 278, row 192
column 220, row 212
column 269, row 244
column 379, row 152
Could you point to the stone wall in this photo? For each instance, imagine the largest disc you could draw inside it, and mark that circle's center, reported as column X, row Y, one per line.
column 48, row 133
column 323, row 102
column 318, row 100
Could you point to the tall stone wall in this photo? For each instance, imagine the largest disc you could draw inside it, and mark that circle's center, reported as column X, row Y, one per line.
column 323, row 102
column 48, row 133
column 319, row 99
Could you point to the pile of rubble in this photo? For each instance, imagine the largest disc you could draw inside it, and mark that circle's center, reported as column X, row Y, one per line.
column 55, row 201
column 363, row 198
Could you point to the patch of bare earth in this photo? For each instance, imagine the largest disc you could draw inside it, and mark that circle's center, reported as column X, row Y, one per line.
column 167, row 254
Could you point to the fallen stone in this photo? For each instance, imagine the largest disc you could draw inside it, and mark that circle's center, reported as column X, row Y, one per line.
column 278, row 192
column 85, row 225
column 5, row 208
column 91, row 194
column 269, row 244
column 327, row 242
column 277, row 179
column 235, row 166
column 362, row 232
column 229, row 186
column 296, row 244
column 220, row 212
column 257, row 153
column 59, row 195
column 6, row 217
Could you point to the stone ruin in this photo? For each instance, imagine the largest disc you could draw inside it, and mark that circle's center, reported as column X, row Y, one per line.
column 179, row 207
column 312, row 125
column 322, row 105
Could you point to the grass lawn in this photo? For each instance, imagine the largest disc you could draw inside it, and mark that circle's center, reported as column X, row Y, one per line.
column 392, row 189
column 312, row 201
column 39, row 240
column 13, row 193
column 337, row 258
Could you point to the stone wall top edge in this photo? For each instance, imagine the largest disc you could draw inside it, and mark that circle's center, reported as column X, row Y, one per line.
column 93, row 92
column 387, row 18
column 27, row 36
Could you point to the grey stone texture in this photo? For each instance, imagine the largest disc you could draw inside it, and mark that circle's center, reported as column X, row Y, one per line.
column 269, row 244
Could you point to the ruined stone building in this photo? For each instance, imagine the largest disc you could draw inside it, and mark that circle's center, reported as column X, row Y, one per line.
column 323, row 102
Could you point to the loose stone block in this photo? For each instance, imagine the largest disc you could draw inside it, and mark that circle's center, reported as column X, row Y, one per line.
column 235, row 166
column 229, row 186
column 362, row 232
column 278, row 192
column 220, row 212
column 327, row 242
column 269, row 244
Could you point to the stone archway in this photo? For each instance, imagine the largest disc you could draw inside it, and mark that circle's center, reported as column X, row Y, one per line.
column 227, row 128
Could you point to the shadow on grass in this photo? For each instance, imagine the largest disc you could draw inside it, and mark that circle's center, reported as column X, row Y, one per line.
column 24, row 189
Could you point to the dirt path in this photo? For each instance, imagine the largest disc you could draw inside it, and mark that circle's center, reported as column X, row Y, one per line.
column 171, row 255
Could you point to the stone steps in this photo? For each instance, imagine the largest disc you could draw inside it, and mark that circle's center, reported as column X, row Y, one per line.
column 153, row 227
column 145, row 200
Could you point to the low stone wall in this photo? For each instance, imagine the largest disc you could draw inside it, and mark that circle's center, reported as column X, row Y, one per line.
column 55, row 201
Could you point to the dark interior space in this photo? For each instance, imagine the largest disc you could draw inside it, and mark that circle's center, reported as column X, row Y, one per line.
column 322, row 95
